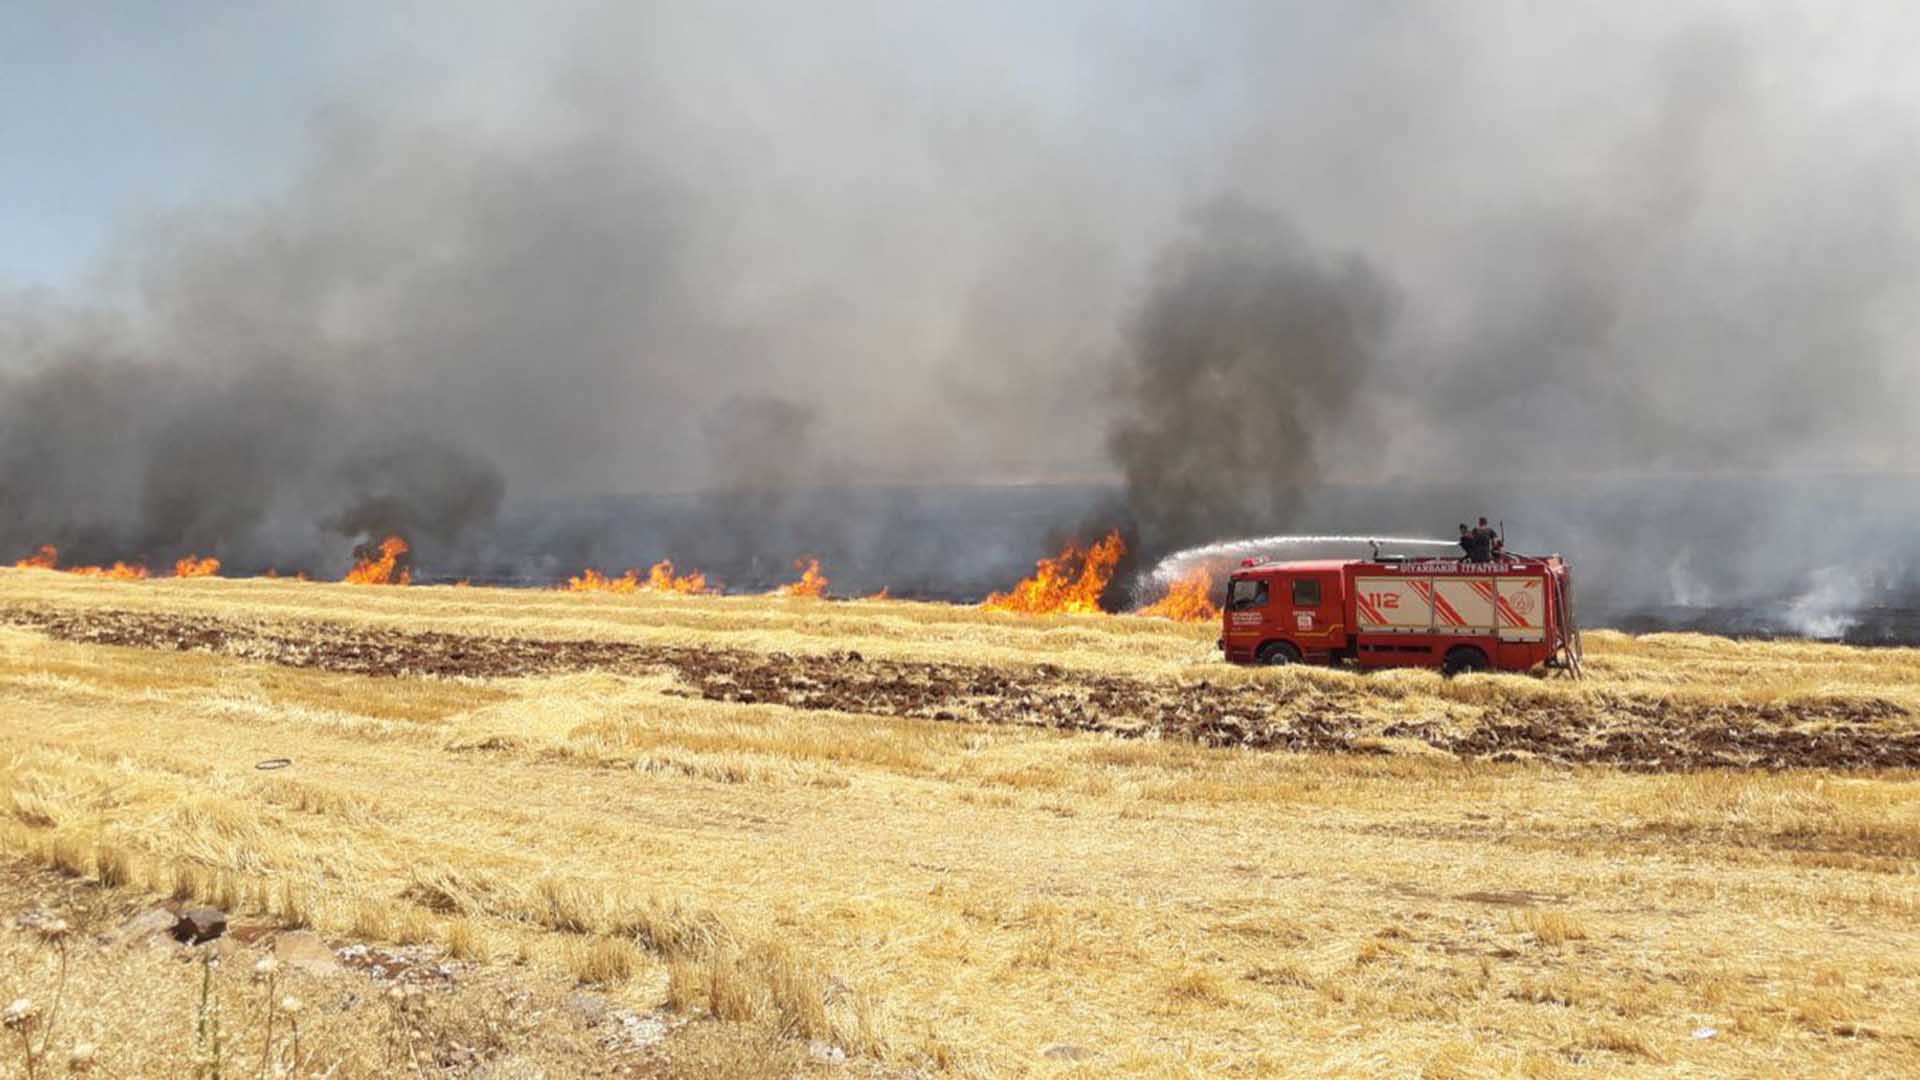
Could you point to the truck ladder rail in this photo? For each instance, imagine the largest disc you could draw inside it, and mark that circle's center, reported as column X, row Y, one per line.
column 1569, row 646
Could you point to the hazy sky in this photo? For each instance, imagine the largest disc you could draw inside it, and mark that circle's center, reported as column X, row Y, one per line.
column 115, row 109
column 110, row 110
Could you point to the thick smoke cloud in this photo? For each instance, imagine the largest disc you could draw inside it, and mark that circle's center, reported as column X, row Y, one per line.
column 1273, row 267
column 115, row 460
column 1250, row 350
column 667, row 261
column 1707, row 273
column 1653, row 283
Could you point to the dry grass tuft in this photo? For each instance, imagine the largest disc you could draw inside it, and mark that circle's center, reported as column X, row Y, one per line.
column 770, row 985
column 71, row 855
column 1625, row 1041
column 465, row 942
column 1283, row 975
column 113, row 866
column 447, row 889
column 671, row 929
column 687, row 987
column 571, row 907
column 34, row 808
column 188, row 882
column 372, row 920
column 730, row 993
column 227, row 892
column 411, row 926
column 1189, row 986
column 601, row 961
column 1549, row 927
column 295, row 906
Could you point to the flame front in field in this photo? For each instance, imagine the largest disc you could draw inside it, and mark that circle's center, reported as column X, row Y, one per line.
column 386, row 568
column 274, row 574
column 591, row 580
column 661, row 578
column 195, row 566
column 881, row 595
column 1070, row 582
column 1190, row 599
column 118, row 571
column 46, row 558
column 812, row 583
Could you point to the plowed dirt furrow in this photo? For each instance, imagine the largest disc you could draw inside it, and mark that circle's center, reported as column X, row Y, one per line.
column 1637, row 732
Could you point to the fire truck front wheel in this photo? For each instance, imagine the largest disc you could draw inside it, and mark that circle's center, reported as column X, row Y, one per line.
column 1464, row 658
column 1277, row 653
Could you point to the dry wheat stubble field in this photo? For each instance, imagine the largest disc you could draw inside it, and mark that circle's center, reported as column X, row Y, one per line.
column 951, row 842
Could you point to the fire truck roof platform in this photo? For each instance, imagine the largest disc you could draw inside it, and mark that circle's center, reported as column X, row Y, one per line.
column 1449, row 564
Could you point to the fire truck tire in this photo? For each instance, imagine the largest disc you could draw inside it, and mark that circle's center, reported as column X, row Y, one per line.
column 1278, row 653
column 1464, row 658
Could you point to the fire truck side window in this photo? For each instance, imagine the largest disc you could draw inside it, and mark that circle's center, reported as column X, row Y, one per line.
column 1247, row 595
column 1306, row 592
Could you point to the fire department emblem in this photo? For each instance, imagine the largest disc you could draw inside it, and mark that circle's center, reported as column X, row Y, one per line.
column 1523, row 602
column 1303, row 620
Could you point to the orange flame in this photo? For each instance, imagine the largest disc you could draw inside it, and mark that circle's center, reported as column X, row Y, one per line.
column 385, row 570
column 881, row 595
column 812, row 583
column 118, row 571
column 195, row 566
column 46, row 558
column 661, row 579
column 276, row 575
column 1189, row 600
column 591, row 580
column 1070, row 582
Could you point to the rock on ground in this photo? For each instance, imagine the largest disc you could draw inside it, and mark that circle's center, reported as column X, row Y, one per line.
column 302, row 950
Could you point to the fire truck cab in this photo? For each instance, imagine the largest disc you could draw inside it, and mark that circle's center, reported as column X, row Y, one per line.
column 1512, row 614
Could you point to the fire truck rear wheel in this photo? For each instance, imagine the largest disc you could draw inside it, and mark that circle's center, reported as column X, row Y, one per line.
column 1277, row 653
column 1464, row 658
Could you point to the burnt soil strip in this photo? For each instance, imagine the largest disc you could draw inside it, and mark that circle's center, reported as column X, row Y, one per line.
column 1637, row 732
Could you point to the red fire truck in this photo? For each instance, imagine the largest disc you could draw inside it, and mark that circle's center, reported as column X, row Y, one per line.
column 1512, row 614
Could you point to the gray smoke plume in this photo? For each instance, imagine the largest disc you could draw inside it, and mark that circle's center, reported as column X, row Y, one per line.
column 1652, row 284
column 1636, row 276
column 1248, row 352
column 114, row 460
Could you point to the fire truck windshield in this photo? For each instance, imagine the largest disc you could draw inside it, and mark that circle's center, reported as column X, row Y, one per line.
column 1244, row 595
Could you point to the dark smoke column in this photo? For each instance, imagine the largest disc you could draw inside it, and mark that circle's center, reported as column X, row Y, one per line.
column 1248, row 349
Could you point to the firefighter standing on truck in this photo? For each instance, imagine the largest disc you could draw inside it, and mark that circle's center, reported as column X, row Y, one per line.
column 1484, row 539
column 1478, row 543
